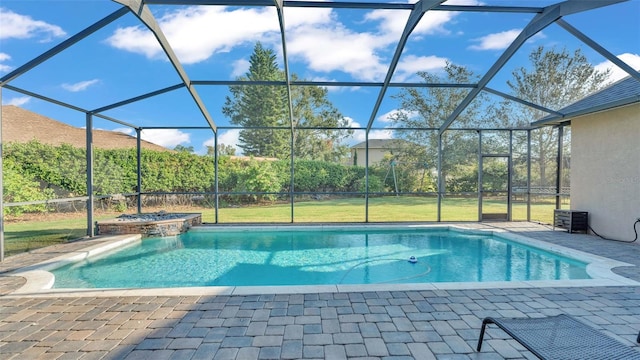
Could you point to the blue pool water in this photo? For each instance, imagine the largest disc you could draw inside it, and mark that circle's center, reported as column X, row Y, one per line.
column 241, row 258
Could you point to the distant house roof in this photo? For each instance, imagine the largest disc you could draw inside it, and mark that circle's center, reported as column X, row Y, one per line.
column 381, row 144
column 620, row 93
column 21, row 125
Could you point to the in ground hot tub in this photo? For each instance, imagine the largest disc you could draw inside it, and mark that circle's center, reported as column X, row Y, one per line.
column 150, row 224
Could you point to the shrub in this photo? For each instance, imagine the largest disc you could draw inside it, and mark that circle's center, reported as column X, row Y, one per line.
column 259, row 176
column 19, row 186
column 375, row 184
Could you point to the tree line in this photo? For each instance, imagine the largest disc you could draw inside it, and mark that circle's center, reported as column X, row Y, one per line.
column 554, row 79
column 35, row 171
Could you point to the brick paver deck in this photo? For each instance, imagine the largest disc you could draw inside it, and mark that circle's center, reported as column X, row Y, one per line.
column 435, row 324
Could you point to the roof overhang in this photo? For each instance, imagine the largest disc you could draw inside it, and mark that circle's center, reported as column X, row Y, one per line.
column 565, row 118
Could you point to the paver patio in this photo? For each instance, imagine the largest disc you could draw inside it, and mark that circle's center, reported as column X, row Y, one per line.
column 434, row 324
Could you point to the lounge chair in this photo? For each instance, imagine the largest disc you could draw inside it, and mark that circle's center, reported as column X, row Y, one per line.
column 561, row 337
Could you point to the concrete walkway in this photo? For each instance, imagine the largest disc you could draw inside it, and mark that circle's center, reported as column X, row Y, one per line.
column 433, row 324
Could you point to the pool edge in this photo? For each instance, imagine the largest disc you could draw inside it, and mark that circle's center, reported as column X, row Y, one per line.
column 39, row 280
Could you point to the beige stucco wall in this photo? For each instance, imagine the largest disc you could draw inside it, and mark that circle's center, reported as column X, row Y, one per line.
column 605, row 170
column 375, row 156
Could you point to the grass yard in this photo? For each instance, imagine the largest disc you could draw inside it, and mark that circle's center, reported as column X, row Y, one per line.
column 50, row 229
column 41, row 231
column 381, row 209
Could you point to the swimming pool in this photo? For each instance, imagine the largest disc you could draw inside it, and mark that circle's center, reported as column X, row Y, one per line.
column 318, row 256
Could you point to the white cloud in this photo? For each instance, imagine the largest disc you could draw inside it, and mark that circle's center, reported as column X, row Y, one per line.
column 296, row 17
column 208, row 142
column 352, row 123
column 5, row 68
column 136, row 39
column 632, row 60
column 334, row 89
column 360, row 135
column 391, row 114
column 79, row 86
column 410, row 64
column 327, row 45
column 496, row 41
column 168, row 138
column 124, row 130
column 356, row 138
column 229, row 137
column 331, row 46
column 240, row 67
column 24, row 27
column 316, row 37
column 381, row 134
column 434, row 22
column 17, row 101
column 336, row 48
column 393, row 22
column 386, row 117
column 184, row 29
column 501, row 40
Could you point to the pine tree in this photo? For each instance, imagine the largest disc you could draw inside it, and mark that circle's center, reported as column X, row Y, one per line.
column 260, row 108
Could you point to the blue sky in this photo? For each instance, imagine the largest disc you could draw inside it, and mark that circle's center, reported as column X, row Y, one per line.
column 123, row 59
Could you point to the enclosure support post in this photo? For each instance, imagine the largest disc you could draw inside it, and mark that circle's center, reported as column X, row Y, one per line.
column 292, row 169
column 440, row 180
column 1, row 188
column 139, row 168
column 529, row 175
column 480, row 164
column 215, row 177
column 509, row 176
column 366, row 176
column 559, row 166
column 89, row 144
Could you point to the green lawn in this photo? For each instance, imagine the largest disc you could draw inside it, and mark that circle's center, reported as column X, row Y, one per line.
column 25, row 236
column 28, row 235
column 381, row 209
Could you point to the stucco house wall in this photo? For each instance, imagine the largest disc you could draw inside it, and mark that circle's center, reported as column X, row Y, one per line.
column 378, row 148
column 605, row 170
column 375, row 155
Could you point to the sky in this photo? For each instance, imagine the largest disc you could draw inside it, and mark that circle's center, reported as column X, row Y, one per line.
column 123, row 59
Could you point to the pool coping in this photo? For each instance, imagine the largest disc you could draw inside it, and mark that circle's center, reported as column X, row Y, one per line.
column 39, row 280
